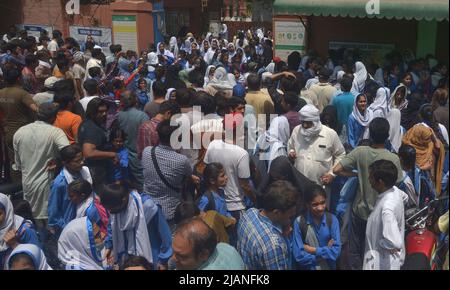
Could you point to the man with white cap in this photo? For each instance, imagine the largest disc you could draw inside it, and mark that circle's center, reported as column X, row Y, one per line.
column 47, row 95
column 315, row 148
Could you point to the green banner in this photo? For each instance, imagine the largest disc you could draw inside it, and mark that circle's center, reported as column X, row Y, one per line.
column 130, row 18
column 290, row 47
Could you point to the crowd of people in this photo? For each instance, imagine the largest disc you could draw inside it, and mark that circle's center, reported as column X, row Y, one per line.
column 345, row 148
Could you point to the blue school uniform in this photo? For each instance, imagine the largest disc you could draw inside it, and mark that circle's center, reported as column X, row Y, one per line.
column 219, row 203
column 158, row 231
column 324, row 234
column 120, row 171
column 355, row 131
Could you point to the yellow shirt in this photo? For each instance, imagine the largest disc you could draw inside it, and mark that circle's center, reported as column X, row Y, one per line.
column 218, row 223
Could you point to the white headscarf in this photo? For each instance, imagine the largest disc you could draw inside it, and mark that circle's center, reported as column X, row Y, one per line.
column 231, row 54
column 166, row 52
column 173, row 46
column 208, row 70
column 34, row 252
column 169, row 92
column 359, row 80
column 129, row 227
column 75, row 249
column 12, row 221
column 381, row 105
column 222, row 80
column 82, row 207
column 405, row 102
column 260, row 34
column 312, row 114
column 363, row 120
column 275, row 140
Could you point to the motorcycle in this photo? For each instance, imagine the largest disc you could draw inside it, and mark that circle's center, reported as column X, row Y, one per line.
column 420, row 241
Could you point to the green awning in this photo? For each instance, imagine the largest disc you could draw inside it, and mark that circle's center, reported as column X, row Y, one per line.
column 398, row 9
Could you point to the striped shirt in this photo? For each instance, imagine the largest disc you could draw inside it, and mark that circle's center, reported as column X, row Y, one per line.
column 261, row 244
column 175, row 168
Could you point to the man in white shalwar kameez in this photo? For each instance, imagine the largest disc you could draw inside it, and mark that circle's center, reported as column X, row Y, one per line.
column 385, row 232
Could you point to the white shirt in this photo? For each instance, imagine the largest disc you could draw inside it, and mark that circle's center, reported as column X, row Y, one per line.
column 93, row 63
column 236, row 163
column 319, row 157
column 386, row 231
column 34, row 146
column 85, row 101
column 52, row 46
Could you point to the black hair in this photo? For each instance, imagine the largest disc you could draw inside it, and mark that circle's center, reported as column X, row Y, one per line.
column 346, row 83
column 56, row 33
column 95, row 72
column 11, row 76
column 407, row 155
column 184, row 96
column 79, row 187
column 30, row 59
column 281, row 195
column 291, row 99
column 63, row 99
column 185, row 210
column 200, row 240
column 324, row 73
column 169, row 106
column 96, row 53
column 253, row 82
column 91, row 86
column 196, row 78
column 379, row 130
column 212, row 172
column 116, row 132
column 294, row 60
column 63, row 87
column 159, row 89
column 314, row 191
column 165, row 130
column 24, row 258
column 111, row 195
column 136, row 261
column 205, row 101
column 92, row 108
column 69, row 152
column 23, row 208
column 234, row 102
column 62, row 63
column 384, row 170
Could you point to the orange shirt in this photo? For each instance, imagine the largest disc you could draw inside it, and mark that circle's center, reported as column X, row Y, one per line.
column 69, row 123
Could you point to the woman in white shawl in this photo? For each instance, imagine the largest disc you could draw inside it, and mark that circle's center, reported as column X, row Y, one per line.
column 80, row 247
column 204, row 47
column 381, row 107
column 12, row 225
column 222, row 80
column 360, row 78
column 273, row 142
column 212, row 50
column 173, row 46
column 35, row 254
column 209, row 75
column 398, row 97
column 231, row 50
column 169, row 93
column 128, row 226
column 161, row 50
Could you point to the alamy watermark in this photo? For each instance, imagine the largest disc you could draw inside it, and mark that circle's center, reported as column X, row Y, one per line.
column 73, row 7
column 373, row 7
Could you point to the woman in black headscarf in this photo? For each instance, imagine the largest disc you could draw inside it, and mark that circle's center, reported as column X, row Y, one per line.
column 173, row 79
column 282, row 169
